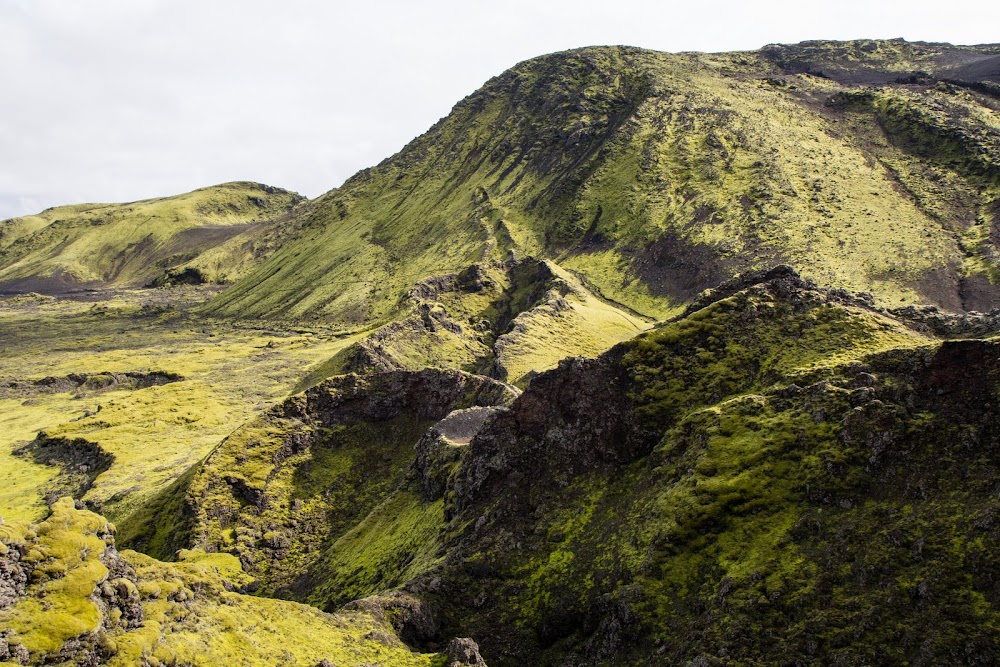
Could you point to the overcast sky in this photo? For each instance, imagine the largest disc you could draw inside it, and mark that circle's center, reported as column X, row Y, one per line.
column 117, row 100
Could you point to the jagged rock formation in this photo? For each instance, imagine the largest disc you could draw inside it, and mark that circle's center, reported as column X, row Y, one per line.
column 85, row 383
column 733, row 504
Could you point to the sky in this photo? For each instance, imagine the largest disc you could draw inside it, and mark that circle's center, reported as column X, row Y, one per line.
column 119, row 100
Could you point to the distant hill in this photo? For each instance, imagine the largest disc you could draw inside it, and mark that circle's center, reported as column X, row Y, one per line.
column 213, row 234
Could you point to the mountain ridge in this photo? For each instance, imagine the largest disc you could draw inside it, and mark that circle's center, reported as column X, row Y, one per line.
column 544, row 152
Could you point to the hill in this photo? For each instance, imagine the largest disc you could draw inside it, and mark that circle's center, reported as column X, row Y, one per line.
column 210, row 235
column 633, row 358
column 782, row 471
column 866, row 165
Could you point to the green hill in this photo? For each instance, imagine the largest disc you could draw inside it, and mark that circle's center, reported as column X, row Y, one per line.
column 213, row 234
column 867, row 165
column 634, row 358
column 784, row 471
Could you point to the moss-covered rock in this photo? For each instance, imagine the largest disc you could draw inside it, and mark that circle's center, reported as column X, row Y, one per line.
column 70, row 598
column 744, row 484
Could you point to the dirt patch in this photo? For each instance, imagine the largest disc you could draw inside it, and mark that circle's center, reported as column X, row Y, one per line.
column 982, row 69
column 844, row 62
column 941, row 287
column 979, row 294
column 58, row 284
column 678, row 269
column 461, row 426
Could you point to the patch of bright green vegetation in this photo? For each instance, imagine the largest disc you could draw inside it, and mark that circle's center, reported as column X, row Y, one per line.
column 943, row 148
column 143, row 431
column 67, row 568
column 278, row 510
column 394, row 543
column 508, row 321
column 748, row 342
column 568, row 321
column 189, row 615
column 22, row 482
column 607, row 272
column 214, row 626
column 157, row 433
column 130, row 244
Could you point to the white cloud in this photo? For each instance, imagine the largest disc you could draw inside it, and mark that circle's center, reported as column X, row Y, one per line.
column 111, row 100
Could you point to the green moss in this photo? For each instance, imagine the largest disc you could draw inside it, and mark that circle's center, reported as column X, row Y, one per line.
column 745, row 343
column 155, row 434
column 397, row 541
column 67, row 569
column 280, row 512
column 190, row 617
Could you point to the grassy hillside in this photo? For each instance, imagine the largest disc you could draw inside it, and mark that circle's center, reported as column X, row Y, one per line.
column 634, row 358
column 655, row 176
column 782, row 471
column 214, row 233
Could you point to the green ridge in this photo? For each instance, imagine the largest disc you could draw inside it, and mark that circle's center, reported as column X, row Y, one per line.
column 210, row 235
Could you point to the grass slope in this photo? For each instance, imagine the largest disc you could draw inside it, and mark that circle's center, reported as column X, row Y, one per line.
column 655, row 176
column 133, row 244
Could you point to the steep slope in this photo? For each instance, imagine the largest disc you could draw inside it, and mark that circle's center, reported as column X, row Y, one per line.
column 781, row 477
column 866, row 165
column 67, row 596
column 212, row 234
column 784, row 473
